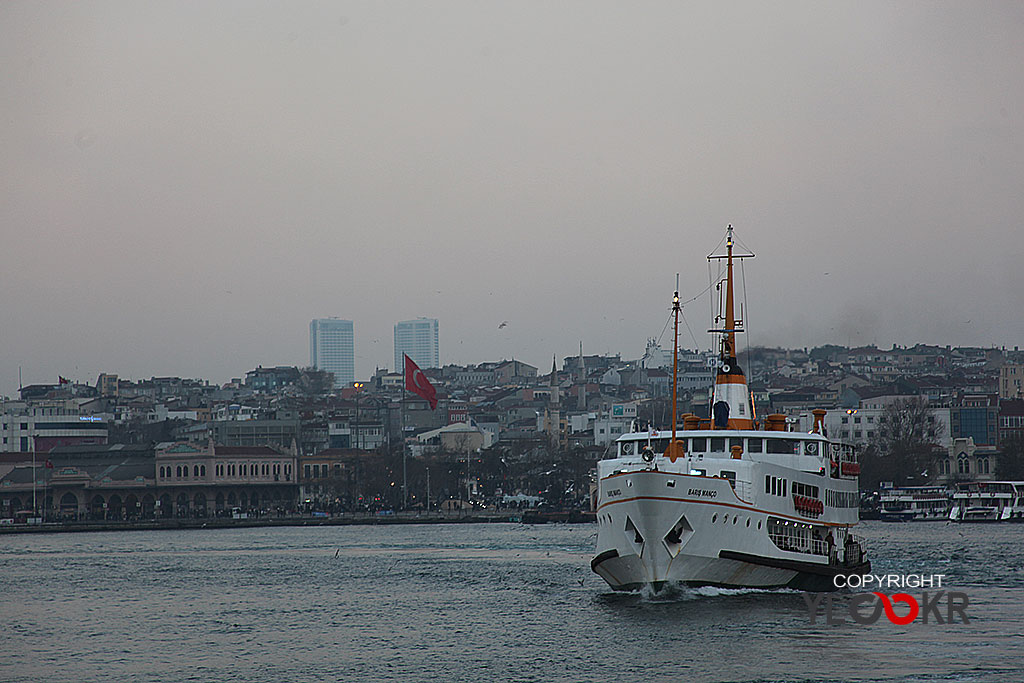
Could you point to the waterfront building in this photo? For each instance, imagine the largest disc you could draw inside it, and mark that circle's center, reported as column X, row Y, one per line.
column 1011, row 418
column 281, row 433
column 332, row 348
column 127, row 482
column 271, row 379
column 203, row 480
column 458, row 437
column 41, row 426
column 1011, row 381
column 92, row 481
column 417, row 339
column 860, row 425
column 514, row 372
column 976, row 416
column 966, row 460
column 107, row 385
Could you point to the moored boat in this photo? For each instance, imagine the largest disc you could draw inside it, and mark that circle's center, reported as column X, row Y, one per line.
column 914, row 504
column 730, row 500
column 988, row 501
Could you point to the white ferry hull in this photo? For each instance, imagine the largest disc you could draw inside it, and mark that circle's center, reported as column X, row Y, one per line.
column 658, row 527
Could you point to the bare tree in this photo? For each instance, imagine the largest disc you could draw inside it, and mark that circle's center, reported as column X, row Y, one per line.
column 1010, row 461
column 908, row 440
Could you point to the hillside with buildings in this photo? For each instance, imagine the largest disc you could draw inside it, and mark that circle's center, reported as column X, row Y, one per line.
column 504, row 433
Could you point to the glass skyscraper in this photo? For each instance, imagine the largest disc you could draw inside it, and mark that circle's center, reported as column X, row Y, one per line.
column 418, row 339
column 332, row 348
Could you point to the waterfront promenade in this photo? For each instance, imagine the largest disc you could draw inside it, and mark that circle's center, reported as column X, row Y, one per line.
column 336, row 519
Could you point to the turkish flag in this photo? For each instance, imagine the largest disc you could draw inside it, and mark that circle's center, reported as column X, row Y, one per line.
column 417, row 383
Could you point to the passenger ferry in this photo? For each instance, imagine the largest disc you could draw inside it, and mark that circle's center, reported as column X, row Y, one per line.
column 988, row 501
column 914, row 504
column 730, row 500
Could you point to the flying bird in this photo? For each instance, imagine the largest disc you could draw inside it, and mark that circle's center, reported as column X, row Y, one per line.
column 503, row 324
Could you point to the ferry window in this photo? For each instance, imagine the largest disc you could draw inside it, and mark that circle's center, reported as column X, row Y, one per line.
column 700, row 445
column 755, row 445
column 789, row 446
column 731, row 476
column 783, row 488
column 735, row 442
column 718, row 445
column 660, row 445
column 627, row 448
column 767, row 483
column 811, row 447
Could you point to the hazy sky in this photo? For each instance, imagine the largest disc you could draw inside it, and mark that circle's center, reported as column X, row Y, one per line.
column 183, row 186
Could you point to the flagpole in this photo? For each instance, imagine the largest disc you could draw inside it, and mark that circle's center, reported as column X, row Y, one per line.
column 401, row 429
column 35, row 510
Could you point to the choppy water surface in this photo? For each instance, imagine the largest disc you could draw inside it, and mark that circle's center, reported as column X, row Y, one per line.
column 468, row 603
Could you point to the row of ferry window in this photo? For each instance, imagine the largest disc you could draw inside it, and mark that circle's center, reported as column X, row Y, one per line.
column 842, row 499
column 735, row 519
column 724, row 445
column 775, row 486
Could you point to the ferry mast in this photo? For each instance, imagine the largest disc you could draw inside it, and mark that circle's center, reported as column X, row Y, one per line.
column 731, row 407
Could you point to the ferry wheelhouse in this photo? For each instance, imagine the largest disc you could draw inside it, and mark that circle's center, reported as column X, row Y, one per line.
column 730, row 500
column 914, row 504
column 988, row 501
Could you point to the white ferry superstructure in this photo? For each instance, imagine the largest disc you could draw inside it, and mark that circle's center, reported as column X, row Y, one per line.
column 729, row 500
column 988, row 501
column 914, row 504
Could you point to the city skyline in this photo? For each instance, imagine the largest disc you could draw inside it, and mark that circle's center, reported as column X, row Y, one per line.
column 185, row 190
column 417, row 339
column 332, row 348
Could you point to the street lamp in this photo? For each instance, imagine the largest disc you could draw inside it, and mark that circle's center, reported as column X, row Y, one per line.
column 358, row 386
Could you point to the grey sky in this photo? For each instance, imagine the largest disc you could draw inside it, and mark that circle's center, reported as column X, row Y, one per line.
column 186, row 185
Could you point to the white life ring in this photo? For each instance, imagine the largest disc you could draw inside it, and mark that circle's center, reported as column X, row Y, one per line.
column 725, row 367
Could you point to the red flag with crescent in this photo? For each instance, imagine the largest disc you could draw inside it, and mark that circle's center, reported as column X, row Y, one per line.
column 417, row 383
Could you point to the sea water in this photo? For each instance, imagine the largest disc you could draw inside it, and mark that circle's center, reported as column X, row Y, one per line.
column 467, row 602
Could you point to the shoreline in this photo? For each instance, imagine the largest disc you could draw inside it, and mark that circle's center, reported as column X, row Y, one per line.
column 345, row 519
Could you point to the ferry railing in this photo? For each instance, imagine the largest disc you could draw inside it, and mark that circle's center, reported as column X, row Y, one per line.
column 791, row 540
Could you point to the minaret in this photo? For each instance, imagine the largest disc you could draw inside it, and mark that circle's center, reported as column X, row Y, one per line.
column 553, row 426
column 583, row 382
column 730, row 405
column 553, row 381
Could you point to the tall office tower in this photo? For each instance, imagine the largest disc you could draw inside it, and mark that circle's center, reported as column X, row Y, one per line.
column 331, row 348
column 418, row 339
